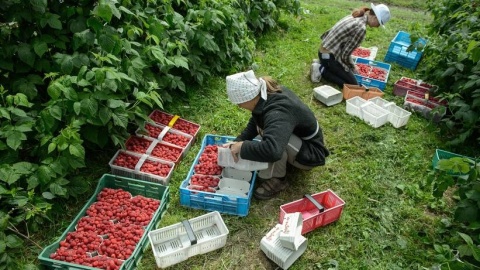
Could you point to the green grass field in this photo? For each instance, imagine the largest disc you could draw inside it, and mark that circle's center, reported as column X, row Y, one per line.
column 388, row 222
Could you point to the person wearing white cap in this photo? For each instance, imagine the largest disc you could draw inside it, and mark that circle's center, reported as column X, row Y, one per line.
column 338, row 43
column 287, row 130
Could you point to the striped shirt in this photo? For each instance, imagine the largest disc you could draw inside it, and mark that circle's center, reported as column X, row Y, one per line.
column 344, row 37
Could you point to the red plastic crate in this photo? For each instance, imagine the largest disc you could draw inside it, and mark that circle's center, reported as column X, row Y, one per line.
column 311, row 209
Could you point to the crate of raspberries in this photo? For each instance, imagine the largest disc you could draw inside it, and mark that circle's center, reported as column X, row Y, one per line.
column 372, row 73
column 405, row 84
column 176, row 122
column 212, row 187
column 111, row 230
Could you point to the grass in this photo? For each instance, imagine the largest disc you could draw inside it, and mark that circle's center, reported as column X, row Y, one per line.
column 388, row 221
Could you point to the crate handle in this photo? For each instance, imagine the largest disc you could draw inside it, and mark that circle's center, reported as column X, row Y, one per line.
column 190, row 234
column 317, row 204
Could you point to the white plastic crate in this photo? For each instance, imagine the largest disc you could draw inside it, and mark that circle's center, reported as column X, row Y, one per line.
column 353, row 106
column 273, row 249
column 180, row 241
column 398, row 116
column 327, row 95
column 292, row 225
column 374, row 115
column 136, row 173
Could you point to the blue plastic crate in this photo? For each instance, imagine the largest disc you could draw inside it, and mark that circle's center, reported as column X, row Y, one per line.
column 397, row 51
column 228, row 204
column 369, row 82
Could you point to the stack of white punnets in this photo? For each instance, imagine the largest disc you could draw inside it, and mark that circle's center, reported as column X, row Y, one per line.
column 284, row 243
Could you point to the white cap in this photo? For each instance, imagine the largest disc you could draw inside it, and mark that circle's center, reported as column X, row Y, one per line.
column 244, row 86
column 382, row 12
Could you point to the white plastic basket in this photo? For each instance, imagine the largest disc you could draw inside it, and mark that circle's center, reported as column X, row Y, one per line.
column 374, row 115
column 398, row 116
column 137, row 173
column 282, row 256
column 327, row 95
column 225, row 159
column 373, row 53
column 164, row 132
column 353, row 106
column 178, row 242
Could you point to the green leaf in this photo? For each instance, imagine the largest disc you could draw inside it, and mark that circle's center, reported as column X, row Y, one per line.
column 103, row 11
column 18, row 112
column 448, row 72
column 89, row 106
column 54, row 90
column 115, row 103
column 77, row 107
column 25, row 54
column 4, row 217
column 105, row 114
column 3, row 246
column 51, row 147
column 32, row 182
column 40, row 48
column 57, row 189
column 54, row 21
column 14, row 139
column 48, row 195
column 39, row 5
column 475, row 250
column 120, row 120
column 45, row 174
column 181, row 61
column 107, row 42
column 13, row 241
column 77, row 150
column 56, row 112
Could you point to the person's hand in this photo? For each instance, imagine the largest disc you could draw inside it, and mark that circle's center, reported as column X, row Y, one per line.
column 235, row 149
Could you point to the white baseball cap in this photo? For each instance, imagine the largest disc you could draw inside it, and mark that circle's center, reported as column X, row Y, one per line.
column 244, row 86
column 382, row 12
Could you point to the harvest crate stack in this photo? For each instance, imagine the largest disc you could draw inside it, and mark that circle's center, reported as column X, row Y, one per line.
column 400, row 50
column 156, row 149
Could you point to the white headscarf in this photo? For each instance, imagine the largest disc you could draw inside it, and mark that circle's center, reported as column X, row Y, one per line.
column 244, row 86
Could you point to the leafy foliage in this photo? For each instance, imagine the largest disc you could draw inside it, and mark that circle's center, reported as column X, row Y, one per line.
column 462, row 175
column 77, row 75
column 452, row 62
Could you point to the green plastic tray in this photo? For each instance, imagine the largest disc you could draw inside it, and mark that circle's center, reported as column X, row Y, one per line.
column 135, row 187
column 442, row 154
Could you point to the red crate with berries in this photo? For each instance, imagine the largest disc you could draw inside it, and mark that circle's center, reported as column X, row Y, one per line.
column 166, row 134
column 205, row 168
column 405, row 84
column 429, row 107
column 176, row 122
column 141, row 166
column 111, row 230
column 372, row 73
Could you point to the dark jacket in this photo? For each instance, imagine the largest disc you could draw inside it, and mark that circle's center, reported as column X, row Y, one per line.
column 280, row 116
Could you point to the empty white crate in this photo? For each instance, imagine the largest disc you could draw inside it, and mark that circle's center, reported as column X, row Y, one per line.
column 273, row 249
column 398, row 116
column 327, row 95
column 178, row 242
column 374, row 115
column 230, row 172
column 230, row 186
column 353, row 106
column 225, row 159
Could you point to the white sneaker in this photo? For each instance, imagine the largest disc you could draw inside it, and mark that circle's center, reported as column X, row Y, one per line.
column 315, row 74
